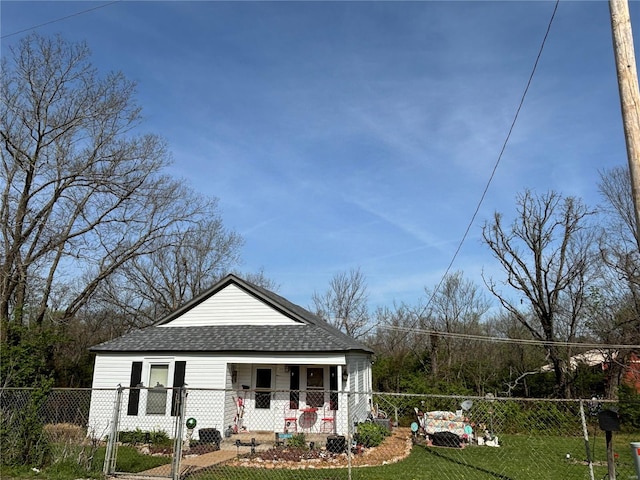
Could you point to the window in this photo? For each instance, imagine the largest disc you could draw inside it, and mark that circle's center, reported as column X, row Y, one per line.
column 157, row 394
column 263, row 382
column 315, row 387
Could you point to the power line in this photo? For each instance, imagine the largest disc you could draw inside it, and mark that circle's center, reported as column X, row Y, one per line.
column 495, row 167
column 58, row 19
column 517, row 341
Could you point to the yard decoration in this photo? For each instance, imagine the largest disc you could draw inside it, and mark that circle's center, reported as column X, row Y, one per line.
column 191, row 424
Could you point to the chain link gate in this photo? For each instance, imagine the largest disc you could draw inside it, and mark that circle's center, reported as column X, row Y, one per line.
column 166, row 434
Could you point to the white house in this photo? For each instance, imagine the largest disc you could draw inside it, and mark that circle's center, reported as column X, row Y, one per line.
column 248, row 358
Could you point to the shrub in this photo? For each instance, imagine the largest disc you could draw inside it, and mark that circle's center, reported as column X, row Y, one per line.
column 155, row 437
column 22, row 440
column 629, row 407
column 371, row 434
column 298, row 441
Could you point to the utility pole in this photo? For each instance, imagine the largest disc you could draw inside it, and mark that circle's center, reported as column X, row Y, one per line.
column 629, row 95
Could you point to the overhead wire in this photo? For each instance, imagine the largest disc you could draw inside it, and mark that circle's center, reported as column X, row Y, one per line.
column 475, row 214
column 498, row 160
column 413, row 329
column 519, row 341
column 82, row 12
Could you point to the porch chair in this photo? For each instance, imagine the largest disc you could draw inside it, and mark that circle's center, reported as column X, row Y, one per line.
column 290, row 418
column 327, row 421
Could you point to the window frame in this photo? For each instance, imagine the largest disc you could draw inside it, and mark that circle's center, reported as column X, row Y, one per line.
column 156, row 403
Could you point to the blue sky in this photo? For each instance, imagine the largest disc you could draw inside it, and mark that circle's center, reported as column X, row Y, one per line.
column 339, row 135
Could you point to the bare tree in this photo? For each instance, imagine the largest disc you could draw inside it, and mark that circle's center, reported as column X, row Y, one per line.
column 456, row 307
column 615, row 310
column 619, row 245
column 547, row 255
column 395, row 343
column 517, row 360
column 260, row 279
column 83, row 193
column 187, row 262
column 344, row 304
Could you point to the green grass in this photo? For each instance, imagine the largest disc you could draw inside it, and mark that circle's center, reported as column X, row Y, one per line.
column 67, row 470
column 520, row 457
column 131, row 461
column 128, row 460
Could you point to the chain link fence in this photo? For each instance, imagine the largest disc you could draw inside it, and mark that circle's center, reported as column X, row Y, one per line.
column 207, row 434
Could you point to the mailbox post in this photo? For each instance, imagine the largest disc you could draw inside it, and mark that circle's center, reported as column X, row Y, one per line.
column 635, row 454
column 608, row 421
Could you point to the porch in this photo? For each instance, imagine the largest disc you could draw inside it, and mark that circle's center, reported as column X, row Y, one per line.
column 286, row 398
column 287, row 412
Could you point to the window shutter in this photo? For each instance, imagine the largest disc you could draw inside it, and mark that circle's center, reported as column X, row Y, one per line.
column 178, row 382
column 333, row 387
column 134, row 390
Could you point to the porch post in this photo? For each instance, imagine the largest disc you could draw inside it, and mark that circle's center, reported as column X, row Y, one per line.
column 344, row 401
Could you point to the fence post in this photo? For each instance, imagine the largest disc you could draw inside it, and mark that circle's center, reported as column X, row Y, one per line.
column 110, row 454
column 586, row 439
column 349, row 435
column 177, row 443
column 635, row 454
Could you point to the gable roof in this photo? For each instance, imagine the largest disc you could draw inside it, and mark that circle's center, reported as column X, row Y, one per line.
column 308, row 334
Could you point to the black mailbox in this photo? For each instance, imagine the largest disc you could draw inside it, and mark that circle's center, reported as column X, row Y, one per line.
column 608, row 421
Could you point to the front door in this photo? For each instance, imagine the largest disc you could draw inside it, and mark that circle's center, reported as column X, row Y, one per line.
column 263, row 400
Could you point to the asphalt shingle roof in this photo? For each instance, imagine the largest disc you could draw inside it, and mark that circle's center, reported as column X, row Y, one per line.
column 228, row 338
column 310, row 334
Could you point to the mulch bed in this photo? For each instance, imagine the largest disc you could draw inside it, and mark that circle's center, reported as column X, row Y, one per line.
column 201, row 448
column 395, row 448
column 288, row 454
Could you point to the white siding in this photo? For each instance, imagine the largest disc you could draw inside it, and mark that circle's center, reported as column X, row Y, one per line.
column 209, row 408
column 360, row 384
column 203, row 371
column 113, row 370
column 231, row 306
column 212, row 394
column 207, row 372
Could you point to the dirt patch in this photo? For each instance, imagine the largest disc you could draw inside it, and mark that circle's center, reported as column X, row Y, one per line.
column 395, row 447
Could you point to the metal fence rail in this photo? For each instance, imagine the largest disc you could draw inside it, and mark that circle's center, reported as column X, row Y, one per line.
column 201, row 434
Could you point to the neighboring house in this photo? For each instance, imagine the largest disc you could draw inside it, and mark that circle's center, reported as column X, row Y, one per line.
column 601, row 359
column 589, row 358
column 248, row 358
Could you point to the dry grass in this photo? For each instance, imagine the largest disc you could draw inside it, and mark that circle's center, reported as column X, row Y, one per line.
column 65, row 433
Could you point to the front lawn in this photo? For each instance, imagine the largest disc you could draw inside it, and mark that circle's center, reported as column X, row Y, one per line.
column 128, row 460
column 518, row 458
